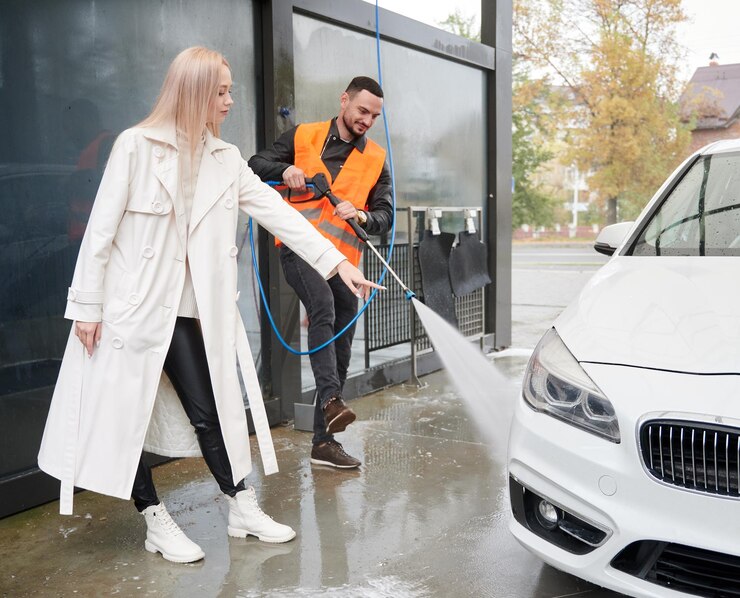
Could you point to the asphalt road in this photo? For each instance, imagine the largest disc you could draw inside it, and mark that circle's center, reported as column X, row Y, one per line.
column 545, row 279
column 575, row 257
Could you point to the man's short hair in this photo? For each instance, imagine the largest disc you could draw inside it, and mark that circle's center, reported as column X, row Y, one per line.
column 367, row 83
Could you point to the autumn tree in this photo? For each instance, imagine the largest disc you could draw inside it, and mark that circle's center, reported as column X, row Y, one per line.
column 619, row 59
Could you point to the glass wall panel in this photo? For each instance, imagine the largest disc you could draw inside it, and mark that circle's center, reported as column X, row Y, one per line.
column 436, row 114
column 74, row 74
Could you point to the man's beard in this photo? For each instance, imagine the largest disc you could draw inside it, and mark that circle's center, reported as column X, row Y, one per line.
column 351, row 127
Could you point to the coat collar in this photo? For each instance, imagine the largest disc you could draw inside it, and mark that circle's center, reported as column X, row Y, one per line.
column 214, row 144
column 167, row 134
column 214, row 177
column 163, row 133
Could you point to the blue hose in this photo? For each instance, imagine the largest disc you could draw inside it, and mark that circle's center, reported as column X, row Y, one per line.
column 393, row 227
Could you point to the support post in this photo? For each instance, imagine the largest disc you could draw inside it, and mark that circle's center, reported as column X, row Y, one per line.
column 282, row 370
column 496, row 20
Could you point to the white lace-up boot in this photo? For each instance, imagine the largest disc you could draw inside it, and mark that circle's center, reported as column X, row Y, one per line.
column 165, row 536
column 246, row 518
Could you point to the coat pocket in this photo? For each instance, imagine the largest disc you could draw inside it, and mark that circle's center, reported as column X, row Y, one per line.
column 157, row 204
column 116, row 304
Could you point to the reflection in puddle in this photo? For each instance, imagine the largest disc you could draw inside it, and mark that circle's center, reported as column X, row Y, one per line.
column 383, row 587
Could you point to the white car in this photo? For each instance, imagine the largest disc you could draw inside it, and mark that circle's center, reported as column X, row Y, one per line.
column 624, row 454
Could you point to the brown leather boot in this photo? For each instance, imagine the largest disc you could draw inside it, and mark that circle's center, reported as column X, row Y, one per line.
column 332, row 453
column 337, row 416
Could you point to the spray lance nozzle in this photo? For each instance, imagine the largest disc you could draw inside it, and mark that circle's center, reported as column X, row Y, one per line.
column 323, row 189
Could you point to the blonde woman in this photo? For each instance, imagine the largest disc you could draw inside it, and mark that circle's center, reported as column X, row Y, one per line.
column 155, row 290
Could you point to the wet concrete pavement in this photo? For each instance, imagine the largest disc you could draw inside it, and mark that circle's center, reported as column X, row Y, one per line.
column 426, row 515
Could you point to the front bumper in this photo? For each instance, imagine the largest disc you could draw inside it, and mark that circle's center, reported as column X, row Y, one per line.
column 605, row 487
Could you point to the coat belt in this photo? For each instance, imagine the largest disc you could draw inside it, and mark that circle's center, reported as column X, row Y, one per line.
column 254, row 394
column 69, row 462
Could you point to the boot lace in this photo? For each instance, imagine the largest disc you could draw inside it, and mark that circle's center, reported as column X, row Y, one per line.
column 339, row 448
column 254, row 505
column 168, row 524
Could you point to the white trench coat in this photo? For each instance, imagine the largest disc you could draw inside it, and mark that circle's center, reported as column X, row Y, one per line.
column 129, row 275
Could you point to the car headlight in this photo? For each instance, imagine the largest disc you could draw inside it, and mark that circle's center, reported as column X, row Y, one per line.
column 556, row 384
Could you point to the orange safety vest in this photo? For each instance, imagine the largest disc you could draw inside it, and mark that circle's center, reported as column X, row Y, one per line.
column 353, row 183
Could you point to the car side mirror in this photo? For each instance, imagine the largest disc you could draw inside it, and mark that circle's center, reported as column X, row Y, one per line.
column 611, row 237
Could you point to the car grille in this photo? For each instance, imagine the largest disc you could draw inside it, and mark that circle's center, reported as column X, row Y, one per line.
column 692, row 455
column 682, row 568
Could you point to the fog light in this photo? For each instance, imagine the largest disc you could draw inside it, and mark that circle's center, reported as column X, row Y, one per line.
column 547, row 514
column 554, row 523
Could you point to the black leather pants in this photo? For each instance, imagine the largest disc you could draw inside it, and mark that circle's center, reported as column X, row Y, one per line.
column 187, row 369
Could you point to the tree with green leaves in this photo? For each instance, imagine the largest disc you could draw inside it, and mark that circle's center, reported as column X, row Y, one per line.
column 461, row 25
column 619, row 59
column 531, row 128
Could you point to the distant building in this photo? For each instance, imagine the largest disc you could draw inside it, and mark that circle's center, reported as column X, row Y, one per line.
column 713, row 98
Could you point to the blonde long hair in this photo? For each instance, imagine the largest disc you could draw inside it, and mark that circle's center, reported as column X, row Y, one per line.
column 189, row 87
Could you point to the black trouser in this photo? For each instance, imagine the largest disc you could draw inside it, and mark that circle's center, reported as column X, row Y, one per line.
column 330, row 306
column 187, row 368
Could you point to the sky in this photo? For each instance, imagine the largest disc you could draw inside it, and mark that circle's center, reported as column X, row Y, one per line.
column 712, row 26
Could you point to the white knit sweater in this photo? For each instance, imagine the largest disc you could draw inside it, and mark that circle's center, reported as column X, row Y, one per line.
column 188, row 180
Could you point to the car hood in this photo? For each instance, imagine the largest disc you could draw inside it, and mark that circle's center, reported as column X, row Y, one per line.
column 669, row 313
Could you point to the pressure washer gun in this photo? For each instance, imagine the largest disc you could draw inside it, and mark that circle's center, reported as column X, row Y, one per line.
column 322, row 189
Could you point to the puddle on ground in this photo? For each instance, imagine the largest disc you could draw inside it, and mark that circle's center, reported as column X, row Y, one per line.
column 382, row 587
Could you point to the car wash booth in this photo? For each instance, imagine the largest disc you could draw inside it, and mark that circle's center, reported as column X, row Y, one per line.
column 75, row 73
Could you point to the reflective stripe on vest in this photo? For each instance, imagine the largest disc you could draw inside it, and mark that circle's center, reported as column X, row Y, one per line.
column 311, row 213
column 355, row 180
column 340, row 233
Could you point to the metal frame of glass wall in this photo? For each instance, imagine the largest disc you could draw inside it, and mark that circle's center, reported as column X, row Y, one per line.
column 493, row 56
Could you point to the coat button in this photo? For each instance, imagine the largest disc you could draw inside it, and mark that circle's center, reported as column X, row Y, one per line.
column 134, row 299
column 148, row 252
column 159, row 152
column 157, row 206
column 229, row 203
column 117, row 343
column 233, row 251
column 71, row 295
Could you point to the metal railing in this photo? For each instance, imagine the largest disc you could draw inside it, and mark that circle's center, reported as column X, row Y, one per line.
column 391, row 319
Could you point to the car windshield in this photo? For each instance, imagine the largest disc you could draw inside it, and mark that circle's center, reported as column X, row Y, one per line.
column 701, row 216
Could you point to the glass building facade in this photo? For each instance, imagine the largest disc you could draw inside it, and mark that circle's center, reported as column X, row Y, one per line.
column 75, row 73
